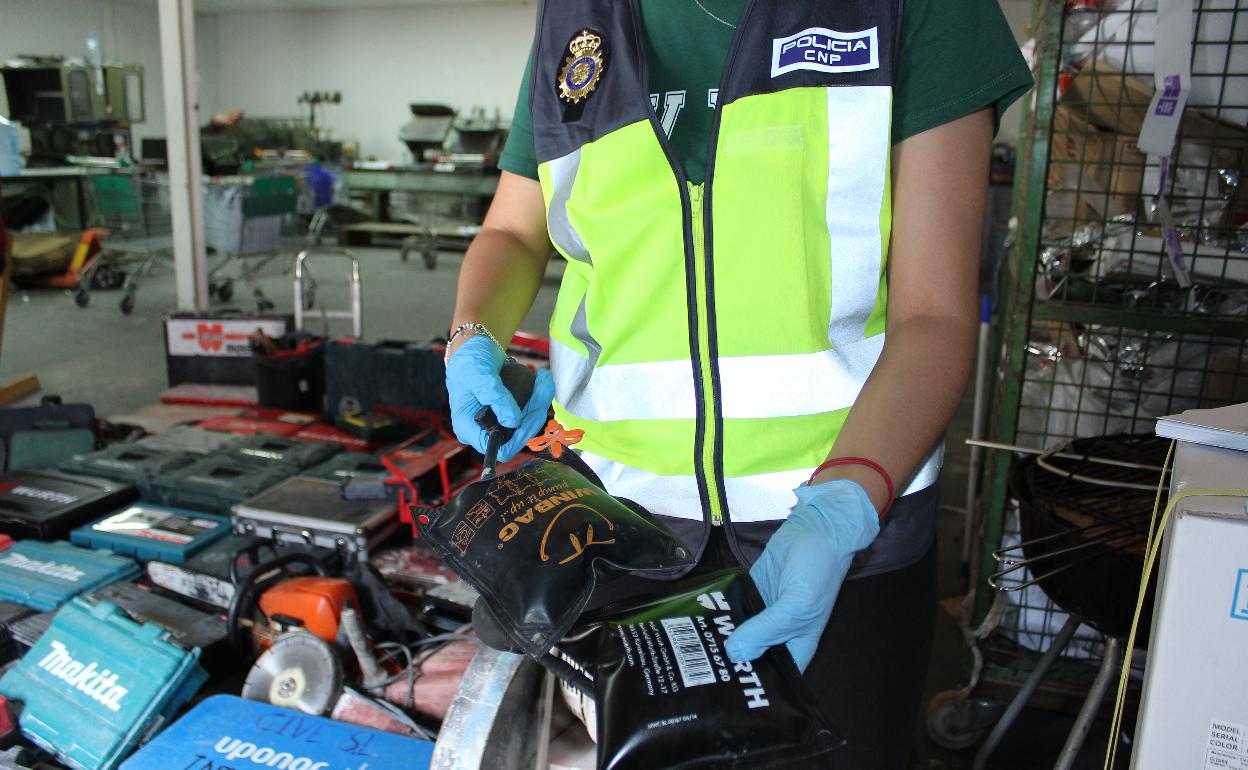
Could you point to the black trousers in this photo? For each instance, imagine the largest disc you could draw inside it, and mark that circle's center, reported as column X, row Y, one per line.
column 869, row 671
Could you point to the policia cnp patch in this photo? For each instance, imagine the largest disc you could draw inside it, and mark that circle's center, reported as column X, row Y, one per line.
column 581, row 71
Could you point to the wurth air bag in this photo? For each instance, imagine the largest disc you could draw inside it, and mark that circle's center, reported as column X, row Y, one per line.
column 535, row 541
column 667, row 695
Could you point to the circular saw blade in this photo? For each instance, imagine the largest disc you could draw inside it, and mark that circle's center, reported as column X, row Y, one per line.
column 299, row 671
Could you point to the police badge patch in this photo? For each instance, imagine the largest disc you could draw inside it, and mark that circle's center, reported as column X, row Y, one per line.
column 583, row 69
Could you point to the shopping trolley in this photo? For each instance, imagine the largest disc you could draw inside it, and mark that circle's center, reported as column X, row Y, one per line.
column 134, row 210
column 243, row 223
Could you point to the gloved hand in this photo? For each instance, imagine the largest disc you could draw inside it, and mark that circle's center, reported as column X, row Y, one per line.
column 801, row 570
column 472, row 382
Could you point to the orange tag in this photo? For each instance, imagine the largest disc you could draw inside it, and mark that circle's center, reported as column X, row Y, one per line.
column 555, row 439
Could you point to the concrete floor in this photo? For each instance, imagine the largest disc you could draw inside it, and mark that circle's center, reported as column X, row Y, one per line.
column 116, row 362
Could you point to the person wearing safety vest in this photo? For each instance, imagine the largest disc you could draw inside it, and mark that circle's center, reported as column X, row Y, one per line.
column 770, row 214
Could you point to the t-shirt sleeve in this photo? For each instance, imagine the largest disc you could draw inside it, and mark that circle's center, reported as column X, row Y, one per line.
column 518, row 155
column 957, row 57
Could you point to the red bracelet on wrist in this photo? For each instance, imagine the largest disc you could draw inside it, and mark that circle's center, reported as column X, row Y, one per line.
column 873, row 465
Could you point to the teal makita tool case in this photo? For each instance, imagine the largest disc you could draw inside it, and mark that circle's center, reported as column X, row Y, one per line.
column 97, row 684
column 46, row 575
column 146, row 532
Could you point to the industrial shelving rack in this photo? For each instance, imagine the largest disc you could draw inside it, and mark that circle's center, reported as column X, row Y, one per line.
column 1097, row 331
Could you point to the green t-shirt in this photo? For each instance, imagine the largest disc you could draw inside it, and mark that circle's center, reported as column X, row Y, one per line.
column 957, row 56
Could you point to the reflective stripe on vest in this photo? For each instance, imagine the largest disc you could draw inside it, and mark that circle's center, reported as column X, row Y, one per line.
column 732, row 354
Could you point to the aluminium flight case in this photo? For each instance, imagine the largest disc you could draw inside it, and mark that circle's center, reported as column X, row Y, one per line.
column 313, row 512
column 129, row 462
column 46, row 505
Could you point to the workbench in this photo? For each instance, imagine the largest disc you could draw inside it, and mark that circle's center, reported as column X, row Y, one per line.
column 379, row 184
column 50, row 177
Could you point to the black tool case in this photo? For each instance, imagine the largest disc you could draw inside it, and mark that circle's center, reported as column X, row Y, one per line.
column 46, row 505
column 312, row 512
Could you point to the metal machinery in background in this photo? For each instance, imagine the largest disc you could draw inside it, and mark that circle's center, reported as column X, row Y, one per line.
column 439, row 199
column 1124, row 298
column 74, row 107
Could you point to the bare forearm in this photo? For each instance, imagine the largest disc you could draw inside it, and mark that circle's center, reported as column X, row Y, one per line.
column 504, row 265
column 497, row 283
column 907, row 403
column 940, row 184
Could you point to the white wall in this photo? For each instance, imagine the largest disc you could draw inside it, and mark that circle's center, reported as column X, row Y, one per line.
column 127, row 33
column 380, row 59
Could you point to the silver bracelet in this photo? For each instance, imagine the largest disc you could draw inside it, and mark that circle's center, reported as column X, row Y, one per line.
column 468, row 327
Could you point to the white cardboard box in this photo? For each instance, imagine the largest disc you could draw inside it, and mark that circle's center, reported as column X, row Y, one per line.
column 1194, row 710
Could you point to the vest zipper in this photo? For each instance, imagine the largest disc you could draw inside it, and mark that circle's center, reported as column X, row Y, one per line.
column 706, row 460
column 698, row 315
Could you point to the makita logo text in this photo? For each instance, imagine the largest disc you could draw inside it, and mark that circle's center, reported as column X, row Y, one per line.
column 47, row 495
column 98, row 685
column 826, row 50
column 50, row 569
column 233, row 748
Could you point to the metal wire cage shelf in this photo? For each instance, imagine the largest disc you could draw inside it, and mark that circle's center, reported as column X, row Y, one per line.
column 1125, row 291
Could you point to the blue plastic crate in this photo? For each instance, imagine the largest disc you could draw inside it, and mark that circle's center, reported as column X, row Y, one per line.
column 148, row 532
column 46, row 575
column 97, row 683
column 227, row 731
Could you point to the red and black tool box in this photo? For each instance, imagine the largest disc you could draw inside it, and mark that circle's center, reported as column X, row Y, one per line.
column 214, row 347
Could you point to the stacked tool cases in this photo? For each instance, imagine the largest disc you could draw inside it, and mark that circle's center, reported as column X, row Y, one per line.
column 97, row 682
column 266, row 448
column 188, row 438
column 321, row 432
column 401, row 379
column 215, row 482
column 245, row 426
column 132, row 463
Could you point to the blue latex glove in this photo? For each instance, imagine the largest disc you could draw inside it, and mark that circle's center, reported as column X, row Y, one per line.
column 472, row 382
column 801, row 570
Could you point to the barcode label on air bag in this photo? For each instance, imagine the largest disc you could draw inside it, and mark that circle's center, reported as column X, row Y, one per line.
column 691, row 658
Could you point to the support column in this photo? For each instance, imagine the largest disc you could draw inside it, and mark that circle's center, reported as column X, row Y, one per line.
column 181, row 87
